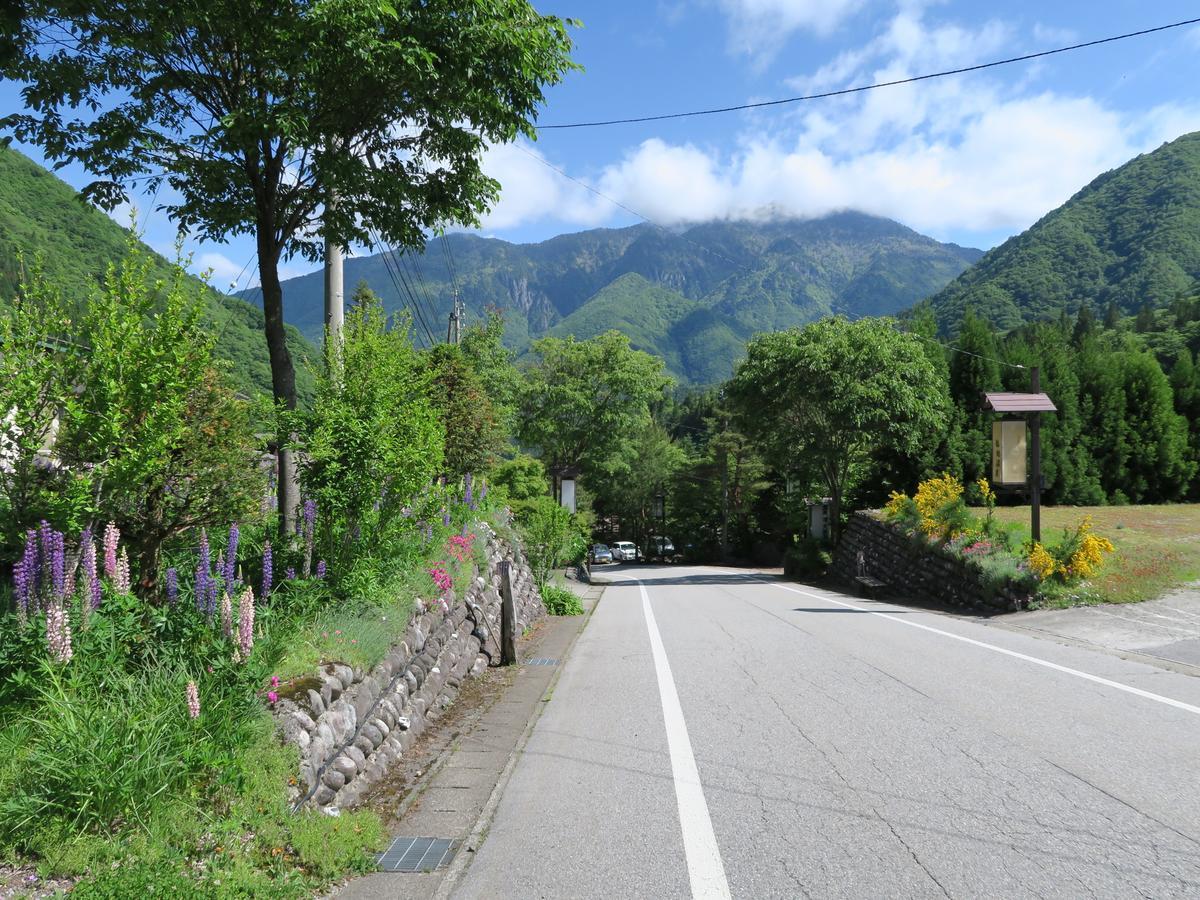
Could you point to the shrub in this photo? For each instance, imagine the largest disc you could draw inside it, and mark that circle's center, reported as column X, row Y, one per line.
column 560, row 601
column 371, row 440
column 551, row 536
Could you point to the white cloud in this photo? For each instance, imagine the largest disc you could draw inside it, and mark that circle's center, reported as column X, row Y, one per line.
column 531, row 191
column 758, row 28
column 953, row 157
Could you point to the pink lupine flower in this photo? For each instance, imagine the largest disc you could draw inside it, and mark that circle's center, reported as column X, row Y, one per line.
column 121, row 580
column 112, row 535
column 246, row 622
column 226, row 615
column 58, row 633
column 193, row 700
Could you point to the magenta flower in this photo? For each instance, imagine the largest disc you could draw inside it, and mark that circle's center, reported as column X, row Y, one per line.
column 272, row 696
column 112, row 535
column 274, row 681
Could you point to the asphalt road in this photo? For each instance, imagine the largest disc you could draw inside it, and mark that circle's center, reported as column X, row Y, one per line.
column 723, row 734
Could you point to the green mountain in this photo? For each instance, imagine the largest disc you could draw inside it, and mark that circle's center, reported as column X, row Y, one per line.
column 692, row 296
column 41, row 215
column 1131, row 237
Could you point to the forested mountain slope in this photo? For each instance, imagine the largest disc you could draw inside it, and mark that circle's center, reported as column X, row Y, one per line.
column 1129, row 239
column 42, row 217
column 693, row 296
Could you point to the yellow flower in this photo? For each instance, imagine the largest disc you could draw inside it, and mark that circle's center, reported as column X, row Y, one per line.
column 935, row 494
column 895, row 504
column 1041, row 563
column 986, row 492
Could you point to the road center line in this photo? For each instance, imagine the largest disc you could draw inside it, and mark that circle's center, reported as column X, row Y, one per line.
column 705, row 869
column 1159, row 698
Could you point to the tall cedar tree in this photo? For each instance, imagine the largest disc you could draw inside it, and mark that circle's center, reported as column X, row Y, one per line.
column 257, row 113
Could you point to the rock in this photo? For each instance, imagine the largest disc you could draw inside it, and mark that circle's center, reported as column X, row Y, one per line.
column 418, row 638
column 327, row 692
column 411, row 680
column 345, row 765
column 372, row 735
column 360, row 758
column 403, row 723
column 315, row 702
column 364, row 704
column 331, row 811
column 334, row 779
column 342, row 719
column 344, row 674
column 323, row 795
column 363, row 743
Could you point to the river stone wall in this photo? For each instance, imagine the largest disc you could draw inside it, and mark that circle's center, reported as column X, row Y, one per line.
column 352, row 725
column 911, row 570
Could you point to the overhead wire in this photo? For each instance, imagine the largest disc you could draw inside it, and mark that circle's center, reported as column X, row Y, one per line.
column 402, row 285
column 841, row 92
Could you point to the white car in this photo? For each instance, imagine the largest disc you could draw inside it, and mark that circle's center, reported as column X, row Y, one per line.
column 624, row 551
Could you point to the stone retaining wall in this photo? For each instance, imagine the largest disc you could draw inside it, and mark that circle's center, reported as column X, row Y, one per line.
column 352, row 727
column 915, row 571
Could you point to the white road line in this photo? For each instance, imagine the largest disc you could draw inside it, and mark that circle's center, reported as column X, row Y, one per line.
column 705, row 869
column 1178, row 704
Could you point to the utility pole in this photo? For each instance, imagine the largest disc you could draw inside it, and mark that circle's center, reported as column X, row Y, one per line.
column 454, row 329
column 1035, row 451
column 724, row 504
column 334, row 289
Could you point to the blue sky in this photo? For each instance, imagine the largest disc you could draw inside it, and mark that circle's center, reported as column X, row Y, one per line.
column 972, row 158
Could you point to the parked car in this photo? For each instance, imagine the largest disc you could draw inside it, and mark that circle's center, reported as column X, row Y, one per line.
column 625, row 551
column 599, row 554
column 662, row 548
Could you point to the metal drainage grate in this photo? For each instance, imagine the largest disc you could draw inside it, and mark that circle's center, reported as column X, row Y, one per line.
column 423, row 854
column 542, row 661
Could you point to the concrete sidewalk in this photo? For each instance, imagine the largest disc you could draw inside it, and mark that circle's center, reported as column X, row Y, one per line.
column 1163, row 632
column 461, row 789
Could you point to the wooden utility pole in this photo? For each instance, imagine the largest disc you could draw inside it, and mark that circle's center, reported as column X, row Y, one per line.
column 1035, row 452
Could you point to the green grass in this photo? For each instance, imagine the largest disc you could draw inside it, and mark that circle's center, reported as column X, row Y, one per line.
column 1157, row 548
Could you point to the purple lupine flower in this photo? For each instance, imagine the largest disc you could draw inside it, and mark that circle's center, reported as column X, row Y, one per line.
column 445, row 517
column 172, row 586
column 92, row 588
column 320, row 569
column 112, row 535
column 231, row 557
column 246, row 622
column 25, row 577
column 219, row 576
column 58, row 633
column 310, row 519
column 428, row 534
column 58, row 565
column 203, row 573
column 468, row 495
column 193, row 700
column 267, row 572
column 45, row 554
column 289, row 574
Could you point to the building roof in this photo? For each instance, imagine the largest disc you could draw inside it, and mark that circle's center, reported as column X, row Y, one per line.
column 1014, row 403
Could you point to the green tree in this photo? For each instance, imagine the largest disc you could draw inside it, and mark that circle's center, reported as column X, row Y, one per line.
column 258, row 115
column 484, row 350
column 973, row 371
column 151, row 435
column 372, row 439
column 830, row 396
column 585, row 402
column 473, row 434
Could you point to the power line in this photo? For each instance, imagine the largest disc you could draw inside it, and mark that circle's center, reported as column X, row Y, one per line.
column 868, row 87
column 401, row 285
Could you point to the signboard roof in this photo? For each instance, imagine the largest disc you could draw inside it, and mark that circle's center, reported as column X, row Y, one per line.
column 1014, row 403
